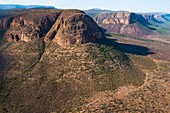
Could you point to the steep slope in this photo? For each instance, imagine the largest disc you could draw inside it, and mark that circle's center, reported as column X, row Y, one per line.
column 39, row 76
column 74, row 28
column 126, row 23
column 60, row 79
column 63, row 27
column 158, row 17
column 161, row 22
column 31, row 25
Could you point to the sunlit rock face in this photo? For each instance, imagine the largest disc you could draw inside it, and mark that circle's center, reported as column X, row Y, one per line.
column 31, row 26
column 64, row 27
column 74, row 27
column 126, row 23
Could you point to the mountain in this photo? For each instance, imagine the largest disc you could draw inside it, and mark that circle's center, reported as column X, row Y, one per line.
column 157, row 17
column 93, row 12
column 54, row 25
column 55, row 60
column 13, row 6
column 125, row 23
column 161, row 22
column 132, row 24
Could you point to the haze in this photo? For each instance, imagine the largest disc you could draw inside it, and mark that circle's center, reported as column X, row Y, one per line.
column 128, row 5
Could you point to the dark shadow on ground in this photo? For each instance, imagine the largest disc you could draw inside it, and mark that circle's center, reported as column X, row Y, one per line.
column 127, row 48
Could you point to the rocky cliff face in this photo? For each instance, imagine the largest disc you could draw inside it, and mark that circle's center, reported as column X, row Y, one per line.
column 63, row 27
column 74, row 28
column 123, row 23
column 159, row 18
column 114, row 18
column 5, row 22
column 30, row 26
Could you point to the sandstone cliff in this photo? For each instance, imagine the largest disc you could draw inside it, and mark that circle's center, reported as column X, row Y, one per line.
column 65, row 27
column 124, row 23
column 74, row 28
column 31, row 26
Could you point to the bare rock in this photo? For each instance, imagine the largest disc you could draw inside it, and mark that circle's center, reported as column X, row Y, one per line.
column 126, row 23
column 74, row 27
column 31, row 26
column 64, row 27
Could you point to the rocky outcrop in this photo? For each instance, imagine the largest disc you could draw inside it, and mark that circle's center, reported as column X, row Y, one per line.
column 74, row 28
column 64, row 27
column 5, row 22
column 124, row 23
column 31, row 26
column 114, row 18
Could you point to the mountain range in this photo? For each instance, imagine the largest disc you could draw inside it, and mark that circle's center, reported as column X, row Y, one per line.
column 118, row 22
column 60, row 61
column 15, row 6
column 131, row 24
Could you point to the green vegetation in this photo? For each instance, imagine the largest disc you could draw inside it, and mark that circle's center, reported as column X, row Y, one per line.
column 162, row 28
column 51, row 78
column 114, row 35
column 143, row 62
column 44, row 77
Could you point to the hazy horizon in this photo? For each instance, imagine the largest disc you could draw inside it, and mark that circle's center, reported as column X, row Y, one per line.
column 114, row 5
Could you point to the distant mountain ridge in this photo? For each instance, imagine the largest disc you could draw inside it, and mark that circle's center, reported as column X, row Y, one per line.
column 158, row 17
column 16, row 6
column 130, row 23
column 95, row 11
column 125, row 23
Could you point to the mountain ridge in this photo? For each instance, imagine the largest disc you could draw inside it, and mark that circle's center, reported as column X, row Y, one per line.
column 103, row 10
column 17, row 6
column 60, row 61
column 54, row 60
column 65, row 27
column 143, row 23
